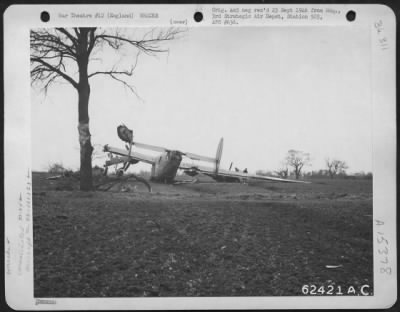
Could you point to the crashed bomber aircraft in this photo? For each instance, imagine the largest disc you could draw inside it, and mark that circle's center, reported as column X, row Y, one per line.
column 167, row 163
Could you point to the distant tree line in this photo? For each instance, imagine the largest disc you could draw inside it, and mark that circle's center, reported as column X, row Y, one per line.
column 292, row 166
column 295, row 161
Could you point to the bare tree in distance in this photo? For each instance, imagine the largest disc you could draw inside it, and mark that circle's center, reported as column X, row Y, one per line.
column 297, row 160
column 335, row 166
column 283, row 171
column 64, row 54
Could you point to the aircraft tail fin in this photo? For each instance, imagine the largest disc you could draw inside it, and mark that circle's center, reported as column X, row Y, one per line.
column 219, row 155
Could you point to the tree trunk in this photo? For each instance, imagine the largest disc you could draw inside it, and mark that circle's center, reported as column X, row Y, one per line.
column 85, row 142
column 86, row 183
column 297, row 172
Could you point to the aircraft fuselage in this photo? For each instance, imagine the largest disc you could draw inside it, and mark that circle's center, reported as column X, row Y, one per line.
column 166, row 167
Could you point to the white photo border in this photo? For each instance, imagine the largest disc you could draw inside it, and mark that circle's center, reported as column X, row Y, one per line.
column 19, row 19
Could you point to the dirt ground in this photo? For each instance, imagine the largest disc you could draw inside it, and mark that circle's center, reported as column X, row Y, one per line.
column 201, row 239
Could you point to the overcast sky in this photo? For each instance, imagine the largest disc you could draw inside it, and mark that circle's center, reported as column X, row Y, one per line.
column 264, row 89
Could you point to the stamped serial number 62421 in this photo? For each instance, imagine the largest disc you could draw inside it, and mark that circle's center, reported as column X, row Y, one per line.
column 332, row 290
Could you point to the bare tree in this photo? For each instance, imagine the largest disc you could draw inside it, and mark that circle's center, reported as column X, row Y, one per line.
column 335, row 166
column 283, row 170
column 65, row 54
column 297, row 160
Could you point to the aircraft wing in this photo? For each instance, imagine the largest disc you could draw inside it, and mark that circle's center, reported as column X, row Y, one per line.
column 228, row 173
column 223, row 173
column 134, row 155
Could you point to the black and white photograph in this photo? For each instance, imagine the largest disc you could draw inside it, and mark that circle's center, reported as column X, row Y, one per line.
column 226, row 161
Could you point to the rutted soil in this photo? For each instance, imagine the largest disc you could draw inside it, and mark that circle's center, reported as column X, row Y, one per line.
column 201, row 239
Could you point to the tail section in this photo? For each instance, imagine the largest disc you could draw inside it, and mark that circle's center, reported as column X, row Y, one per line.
column 219, row 155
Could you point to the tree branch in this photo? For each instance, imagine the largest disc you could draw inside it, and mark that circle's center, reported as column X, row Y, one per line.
column 54, row 69
column 53, row 50
column 148, row 46
column 44, row 39
column 70, row 37
column 112, row 72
